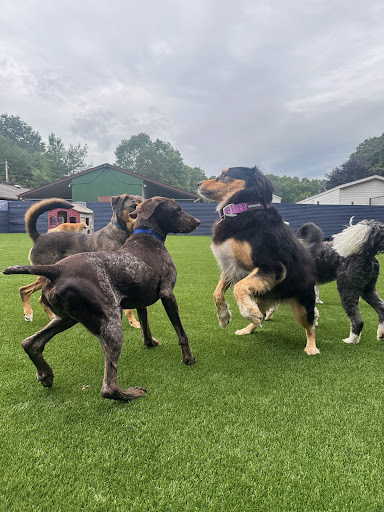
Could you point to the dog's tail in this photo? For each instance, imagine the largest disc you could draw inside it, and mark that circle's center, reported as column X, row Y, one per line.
column 353, row 238
column 309, row 233
column 49, row 271
column 37, row 209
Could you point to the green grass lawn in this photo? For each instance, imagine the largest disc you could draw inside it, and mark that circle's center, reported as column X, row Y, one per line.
column 255, row 425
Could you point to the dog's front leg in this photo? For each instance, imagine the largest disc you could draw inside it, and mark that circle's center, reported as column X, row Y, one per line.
column 223, row 312
column 170, row 306
column 148, row 340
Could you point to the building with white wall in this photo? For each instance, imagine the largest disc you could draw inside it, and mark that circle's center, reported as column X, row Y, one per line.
column 367, row 191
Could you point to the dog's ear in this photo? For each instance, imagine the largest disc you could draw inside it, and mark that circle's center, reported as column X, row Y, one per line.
column 116, row 202
column 146, row 209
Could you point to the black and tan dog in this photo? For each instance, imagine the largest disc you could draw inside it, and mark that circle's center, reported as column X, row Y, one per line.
column 92, row 288
column 350, row 260
column 258, row 253
column 54, row 246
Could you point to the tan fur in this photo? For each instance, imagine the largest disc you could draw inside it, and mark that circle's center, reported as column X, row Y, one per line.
column 301, row 316
column 70, row 226
column 221, row 191
column 249, row 287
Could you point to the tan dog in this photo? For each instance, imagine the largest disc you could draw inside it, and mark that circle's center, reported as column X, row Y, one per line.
column 70, row 226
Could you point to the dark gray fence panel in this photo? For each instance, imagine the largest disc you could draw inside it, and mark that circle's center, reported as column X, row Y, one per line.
column 4, row 222
column 16, row 212
column 330, row 218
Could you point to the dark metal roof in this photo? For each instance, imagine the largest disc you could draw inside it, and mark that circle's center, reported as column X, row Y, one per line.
column 61, row 188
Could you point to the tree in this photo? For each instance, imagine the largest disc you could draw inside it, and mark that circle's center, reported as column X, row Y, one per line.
column 21, row 133
column 157, row 160
column 64, row 162
column 368, row 159
column 292, row 189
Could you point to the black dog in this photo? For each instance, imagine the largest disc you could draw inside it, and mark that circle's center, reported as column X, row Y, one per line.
column 350, row 259
column 92, row 288
column 258, row 253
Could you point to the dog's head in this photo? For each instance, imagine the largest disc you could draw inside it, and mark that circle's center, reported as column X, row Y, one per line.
column 237, row 184
column 309, row 233
column 164, row 215
column 122, row 207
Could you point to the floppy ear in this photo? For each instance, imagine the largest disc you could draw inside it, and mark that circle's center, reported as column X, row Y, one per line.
column 146, row 209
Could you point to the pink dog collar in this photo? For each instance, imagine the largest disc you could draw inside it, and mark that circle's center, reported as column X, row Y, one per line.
column 231, row 210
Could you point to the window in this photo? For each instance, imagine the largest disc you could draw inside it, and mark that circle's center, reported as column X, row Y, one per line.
column 52, row 221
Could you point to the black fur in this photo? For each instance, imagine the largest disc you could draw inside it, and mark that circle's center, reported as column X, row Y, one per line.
column 274, row 250
column 356, row 275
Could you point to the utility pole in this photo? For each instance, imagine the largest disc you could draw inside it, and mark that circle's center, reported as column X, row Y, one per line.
column 6, row 172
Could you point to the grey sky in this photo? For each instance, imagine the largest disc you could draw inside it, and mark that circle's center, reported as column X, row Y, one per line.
column 293, row 86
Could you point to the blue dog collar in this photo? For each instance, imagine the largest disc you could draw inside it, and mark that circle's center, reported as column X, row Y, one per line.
column 119, row 227
column 150, row 232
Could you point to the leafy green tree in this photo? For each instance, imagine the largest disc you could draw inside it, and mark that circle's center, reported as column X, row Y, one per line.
column 368, row 159
column 157, row 160
column 292, row 189
column 64, row 162
column 21, row 133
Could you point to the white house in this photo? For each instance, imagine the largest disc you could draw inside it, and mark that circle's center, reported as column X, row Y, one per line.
column 368, row 191
column 276, row 199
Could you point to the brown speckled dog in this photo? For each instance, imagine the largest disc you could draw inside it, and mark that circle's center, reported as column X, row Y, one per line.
column 91, row 288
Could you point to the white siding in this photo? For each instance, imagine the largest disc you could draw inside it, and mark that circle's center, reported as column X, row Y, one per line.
column 330, row 197
column 361, row 192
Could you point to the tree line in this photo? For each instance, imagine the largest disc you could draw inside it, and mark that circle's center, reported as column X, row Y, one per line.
column 33, row 162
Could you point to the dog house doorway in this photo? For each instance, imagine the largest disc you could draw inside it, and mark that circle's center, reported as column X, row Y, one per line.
column 79, row 213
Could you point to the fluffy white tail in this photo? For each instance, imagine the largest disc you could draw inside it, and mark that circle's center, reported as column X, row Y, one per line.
column 352, row 239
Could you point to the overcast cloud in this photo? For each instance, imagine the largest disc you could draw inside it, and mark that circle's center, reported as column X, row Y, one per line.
column 291, row 85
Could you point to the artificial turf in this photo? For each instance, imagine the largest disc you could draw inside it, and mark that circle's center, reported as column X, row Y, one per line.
column 255, row 425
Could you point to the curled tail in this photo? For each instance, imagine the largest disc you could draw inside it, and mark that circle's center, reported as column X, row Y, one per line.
column 49, row 271
column 37, row 209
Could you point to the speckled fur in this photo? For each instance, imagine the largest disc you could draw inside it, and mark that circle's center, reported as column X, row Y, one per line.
column 93, row 287
column 356, row 275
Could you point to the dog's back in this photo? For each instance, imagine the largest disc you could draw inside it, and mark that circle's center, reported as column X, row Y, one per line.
column 53, row 246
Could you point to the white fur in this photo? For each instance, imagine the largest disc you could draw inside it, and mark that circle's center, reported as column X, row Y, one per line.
column 352, row 239
column 228, row 263
column 380, row 331
column 353, row 338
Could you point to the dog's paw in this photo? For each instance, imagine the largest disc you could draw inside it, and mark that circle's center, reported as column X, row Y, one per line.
column 28, row 318
column 46, row 379
column 125, row 395
column 380, row 332
column 311, row 351
column 224, row 316
column 152, row 343
column 318, row 301
column 353, row 339
column 246, row 330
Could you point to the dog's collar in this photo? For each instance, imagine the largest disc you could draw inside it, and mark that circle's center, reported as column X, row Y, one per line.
column 150, row 232
column 231, row 210
column 119, row 227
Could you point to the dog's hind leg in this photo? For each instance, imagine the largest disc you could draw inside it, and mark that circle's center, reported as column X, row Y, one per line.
column 110, row 336
column 170, row 306
column 372, row 298
column 34, row 346
column 131, row 318
column 25, row 294
column 148, row 340
column 223, row 313
column 306, row 316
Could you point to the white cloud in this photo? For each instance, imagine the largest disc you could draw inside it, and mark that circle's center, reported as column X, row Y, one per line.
column 292, row 86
